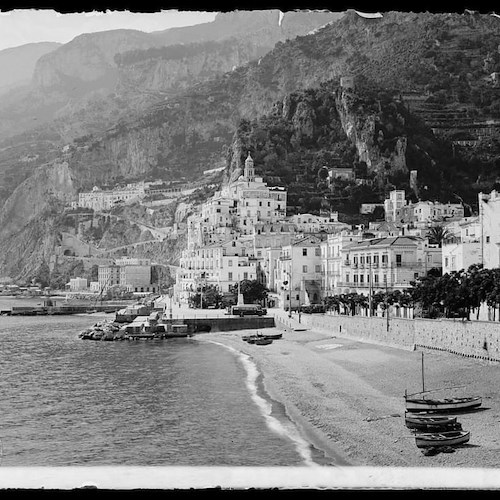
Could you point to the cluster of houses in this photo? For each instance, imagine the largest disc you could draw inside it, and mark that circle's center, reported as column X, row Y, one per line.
column 243, row 233
column 100, row 199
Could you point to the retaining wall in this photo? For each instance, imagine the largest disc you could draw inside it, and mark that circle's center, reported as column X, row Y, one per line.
column 221, row 324
column 478, row 339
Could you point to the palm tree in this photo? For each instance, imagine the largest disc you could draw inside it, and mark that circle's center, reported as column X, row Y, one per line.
column 437, row 234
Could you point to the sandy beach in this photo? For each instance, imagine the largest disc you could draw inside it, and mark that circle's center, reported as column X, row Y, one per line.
column 347, row 397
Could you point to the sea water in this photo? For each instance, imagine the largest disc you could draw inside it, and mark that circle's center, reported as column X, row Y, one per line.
column 185, row 401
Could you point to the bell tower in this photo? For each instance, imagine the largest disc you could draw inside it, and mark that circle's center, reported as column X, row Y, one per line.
column 249, row 173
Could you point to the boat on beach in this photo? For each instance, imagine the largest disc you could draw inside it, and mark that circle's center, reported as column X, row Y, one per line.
column 418, row 402
column 437, row 439
column 263, row 341
column 271, row 336
column 442, row 405
column 432, row 423
column 257, row 339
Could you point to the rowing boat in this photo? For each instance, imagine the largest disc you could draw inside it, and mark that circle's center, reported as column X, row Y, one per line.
column 425, row 421
column 445, row 404
column 451, row 438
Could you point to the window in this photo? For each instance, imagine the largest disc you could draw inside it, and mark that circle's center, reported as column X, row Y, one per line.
column 230, row 263
column 375, row 278
column 245, row 276
column 487, row 239
column 361, row 278
column 317, row 269
column 304, row 252
column 230, row 276
column 384, row 259
column 304, row 269
column 347, row 278
column 355, row 278
column 317, row 252
column 446, row 261
column 399, row 258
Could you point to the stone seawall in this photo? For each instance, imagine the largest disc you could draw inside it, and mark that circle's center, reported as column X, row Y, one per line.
column 478, row 339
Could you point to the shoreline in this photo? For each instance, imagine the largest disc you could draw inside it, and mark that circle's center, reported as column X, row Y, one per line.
column 346, row 397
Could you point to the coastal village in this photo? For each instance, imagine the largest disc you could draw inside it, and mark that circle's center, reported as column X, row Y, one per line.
column 339, row 208
column 243, row 232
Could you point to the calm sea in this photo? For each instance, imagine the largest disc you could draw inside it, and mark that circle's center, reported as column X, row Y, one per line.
column 66, row 401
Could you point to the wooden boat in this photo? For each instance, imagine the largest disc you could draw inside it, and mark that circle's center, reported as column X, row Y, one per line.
column 440, row 405
column 272, row 336
column 451, row 438
column 263, row 341
column 251, row 339
column 416, row 420
column 418, row 402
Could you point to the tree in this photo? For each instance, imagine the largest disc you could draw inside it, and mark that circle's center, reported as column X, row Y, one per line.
column 437, row 234
column 206, row 295
column 252, row 290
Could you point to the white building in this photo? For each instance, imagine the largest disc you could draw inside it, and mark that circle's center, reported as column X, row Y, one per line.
column 395, row 261
column 489, row 219
column 298, row 273
column 308, row 223
column 222, row 265
column 428, row 212
column 78, row 284
column 97, row 199
column 463, row 249
column 255, row 201
column 392, row 204
column 332, row 263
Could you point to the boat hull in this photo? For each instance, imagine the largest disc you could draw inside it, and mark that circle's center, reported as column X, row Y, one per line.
column 442, row 404
column 263, row 342
column 438, row 423
column 453, row 438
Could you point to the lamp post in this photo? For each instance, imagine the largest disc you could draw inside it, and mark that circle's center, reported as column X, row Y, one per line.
column 170, row 297
column 290, row 290
column 370, row 287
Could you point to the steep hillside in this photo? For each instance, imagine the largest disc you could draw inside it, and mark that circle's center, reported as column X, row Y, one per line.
column 192, row 129
column 84, row 87
column 18, row 63
column 317, row 129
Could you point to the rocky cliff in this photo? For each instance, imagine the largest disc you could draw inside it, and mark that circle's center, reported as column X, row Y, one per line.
column 86, row 86
column 192, row 129
column 18, row 63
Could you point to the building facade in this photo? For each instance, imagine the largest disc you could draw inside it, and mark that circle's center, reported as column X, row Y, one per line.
column 392, row 262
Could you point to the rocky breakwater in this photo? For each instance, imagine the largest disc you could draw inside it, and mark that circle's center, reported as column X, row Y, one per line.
column 103, row 330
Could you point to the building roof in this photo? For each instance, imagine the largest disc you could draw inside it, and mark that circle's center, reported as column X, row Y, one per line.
column 384, row 242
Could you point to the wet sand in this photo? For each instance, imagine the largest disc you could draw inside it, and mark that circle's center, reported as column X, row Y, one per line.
column 347, row 397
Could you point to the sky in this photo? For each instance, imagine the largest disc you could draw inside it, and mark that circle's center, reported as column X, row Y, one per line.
column 22, row 26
